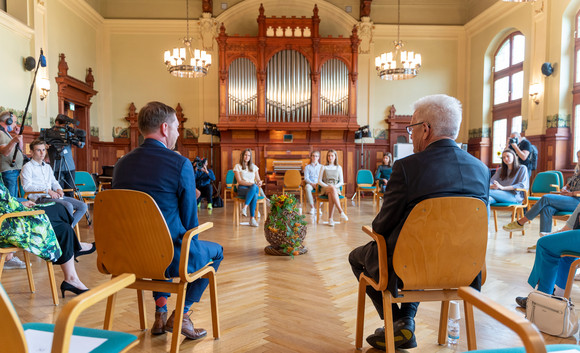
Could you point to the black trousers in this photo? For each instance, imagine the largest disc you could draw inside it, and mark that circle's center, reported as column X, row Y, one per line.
column 61, row 222
column 206, row 193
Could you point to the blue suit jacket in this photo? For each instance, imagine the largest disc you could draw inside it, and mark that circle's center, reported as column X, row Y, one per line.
column 170, row 180
column 441, row 170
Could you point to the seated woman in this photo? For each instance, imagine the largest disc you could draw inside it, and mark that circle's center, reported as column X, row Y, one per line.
column 203, row 180
column 509, row 177
column 549, row 204
column 384, row 171
column 249, row 184
column 330, row 180
column 49, row 236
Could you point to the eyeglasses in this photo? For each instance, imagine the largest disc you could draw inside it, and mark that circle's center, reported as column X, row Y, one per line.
column 410, row 127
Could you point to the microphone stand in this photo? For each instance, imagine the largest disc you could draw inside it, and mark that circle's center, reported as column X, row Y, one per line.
column 13, row 162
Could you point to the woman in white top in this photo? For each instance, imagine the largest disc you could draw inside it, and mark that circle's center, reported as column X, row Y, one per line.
column 249, row 184
column 330, row 180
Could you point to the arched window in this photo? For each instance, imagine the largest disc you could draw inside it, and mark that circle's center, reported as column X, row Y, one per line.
column 576, row 90
column 508, row 89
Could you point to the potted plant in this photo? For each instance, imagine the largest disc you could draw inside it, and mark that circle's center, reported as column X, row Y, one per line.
column 285, row 228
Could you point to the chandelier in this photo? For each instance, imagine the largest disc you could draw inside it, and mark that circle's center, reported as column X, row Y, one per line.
column 187, row 62
column 400, row 64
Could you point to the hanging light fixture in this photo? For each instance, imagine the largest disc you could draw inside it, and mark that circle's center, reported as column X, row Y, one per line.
column 187, row 62
column 400, row 64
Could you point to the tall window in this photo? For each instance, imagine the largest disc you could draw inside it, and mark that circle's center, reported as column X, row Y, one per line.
column 508, row 89
column 576, row 91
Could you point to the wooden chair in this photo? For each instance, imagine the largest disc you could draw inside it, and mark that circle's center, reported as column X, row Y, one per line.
column 571, row 273
column 293, row 182
column 132, row 237
column 433, row 257
column 5, row 251
column 229, row 186
column 324, row 200
column 533, row 340
column 239, row 201
column 12, row 331
column 516, row 209
column 365, row 181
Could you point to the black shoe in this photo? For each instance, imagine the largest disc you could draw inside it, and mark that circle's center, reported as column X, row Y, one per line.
column 86, row 252
column 522, row 301
column 65, row 286
column 403, row 332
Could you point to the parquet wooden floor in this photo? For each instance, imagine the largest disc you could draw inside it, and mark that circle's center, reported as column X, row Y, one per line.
column 279, row 304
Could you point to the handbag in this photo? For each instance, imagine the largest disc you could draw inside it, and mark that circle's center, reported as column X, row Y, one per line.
column 552, row 314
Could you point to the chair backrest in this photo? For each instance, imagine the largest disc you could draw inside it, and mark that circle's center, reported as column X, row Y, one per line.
column 230, row 177
column 87, row 181
column 11, row 331
column 131, row 234
column 442, row 243
column 542, row 182
column 560, row 177
column 364, row 176
column 292, row 179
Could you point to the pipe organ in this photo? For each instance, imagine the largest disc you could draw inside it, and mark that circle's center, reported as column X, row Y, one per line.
column 287, row 77
column 288, row 88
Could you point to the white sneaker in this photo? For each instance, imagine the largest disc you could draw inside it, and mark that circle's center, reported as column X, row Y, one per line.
column 253, row 222
column 14, row 263
column 320, row 210
column 543, row 234
column 245, row 212
column 577, row 277
column 258, row 215
column 331, row 222
column 344, row 216
column 312, row 210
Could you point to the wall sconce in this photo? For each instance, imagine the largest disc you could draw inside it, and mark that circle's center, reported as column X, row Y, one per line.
column 535, row 91
column 44, row 87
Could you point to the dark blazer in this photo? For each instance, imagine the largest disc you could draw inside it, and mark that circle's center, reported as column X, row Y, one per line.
column 169, row 178
column 442, row 169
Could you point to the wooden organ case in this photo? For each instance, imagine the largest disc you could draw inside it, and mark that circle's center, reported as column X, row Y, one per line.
column 287, row 81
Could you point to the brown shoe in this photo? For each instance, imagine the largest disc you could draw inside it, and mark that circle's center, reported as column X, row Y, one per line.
column 187, row 328
column 159, row 324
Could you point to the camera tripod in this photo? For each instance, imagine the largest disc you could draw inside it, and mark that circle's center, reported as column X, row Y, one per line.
column 68, row 184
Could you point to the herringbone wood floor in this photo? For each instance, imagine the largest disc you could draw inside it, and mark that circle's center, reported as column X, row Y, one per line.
column 279, row 304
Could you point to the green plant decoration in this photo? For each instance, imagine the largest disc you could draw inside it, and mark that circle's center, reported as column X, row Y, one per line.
column 285, row 228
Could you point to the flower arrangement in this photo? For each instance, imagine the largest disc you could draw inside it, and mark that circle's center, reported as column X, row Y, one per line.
column 285, row 228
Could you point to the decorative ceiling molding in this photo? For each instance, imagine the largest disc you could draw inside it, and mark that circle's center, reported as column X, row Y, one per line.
column 85, row 12
column 151, row 26
column 15, row 26
column 418, row 31
column 494, row 13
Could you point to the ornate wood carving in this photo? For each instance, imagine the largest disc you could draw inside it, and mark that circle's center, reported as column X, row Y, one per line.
column 72, row 90
column 287, row 33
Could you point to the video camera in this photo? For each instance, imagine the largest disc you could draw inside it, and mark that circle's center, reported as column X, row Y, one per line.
column 61, row 136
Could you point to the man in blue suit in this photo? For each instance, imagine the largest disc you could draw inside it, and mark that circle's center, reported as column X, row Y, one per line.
column 437, row 169
column 168, row 177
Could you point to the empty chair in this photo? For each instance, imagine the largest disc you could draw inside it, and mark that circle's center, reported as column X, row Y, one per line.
column 293, row 182
column 365, row 181
column 229, row 186
column 12, row 331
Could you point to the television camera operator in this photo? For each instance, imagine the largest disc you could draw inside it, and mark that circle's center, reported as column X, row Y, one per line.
column 60, row 138
column 9, row 170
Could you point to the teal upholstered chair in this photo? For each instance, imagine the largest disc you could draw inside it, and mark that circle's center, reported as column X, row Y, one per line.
column 365, row 181
column 560, row 177
column 527, row 332
column 240, row 200
column 13, row 333
column 324, row 199
column 229, row 185
column 544, row 183
column 86, row 186
column 516, row 209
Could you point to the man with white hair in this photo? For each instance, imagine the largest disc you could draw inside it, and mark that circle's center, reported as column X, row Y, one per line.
column 437, row 169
